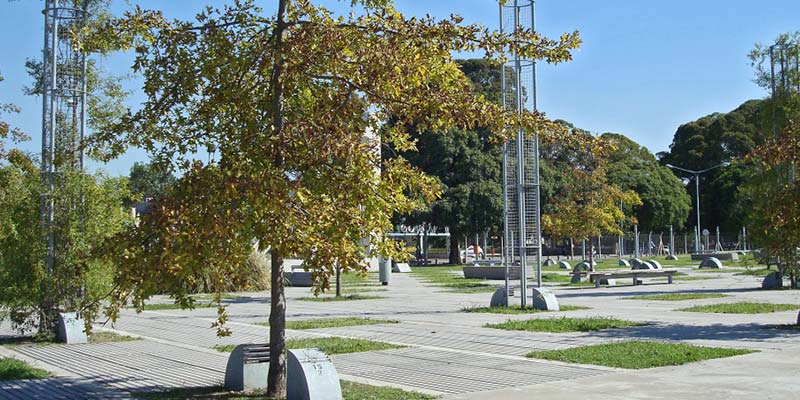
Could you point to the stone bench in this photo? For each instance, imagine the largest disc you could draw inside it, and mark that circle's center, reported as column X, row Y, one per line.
column 298, row 278
column 310, row 374
column 487, row 263
column 490, row 273
column 247, row 368
column 598, row 277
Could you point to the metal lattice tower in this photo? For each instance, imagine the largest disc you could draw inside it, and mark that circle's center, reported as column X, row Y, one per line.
column 520, row 155
column 63, row 105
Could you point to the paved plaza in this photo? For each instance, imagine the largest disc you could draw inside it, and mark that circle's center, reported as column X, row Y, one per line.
column 447, row 352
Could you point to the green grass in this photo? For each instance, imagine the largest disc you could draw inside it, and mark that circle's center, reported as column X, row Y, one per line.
column 330, row 345
column 518, row 310
column 724, row 270
column 472, row 290
column 692, row 278
column 106, row 337
column 451, row 277
column 637, row 354
column 333, row 323
column 678, row 296
column 756, row 272
column 742, row 308
column 210, row 296
column 564, row 324
column 340, row 298
column 359, row 289
column 554, row 277
column 173, row 306
column 360, row 391
column 350, row 391
column 12, row 369
column 579, row 284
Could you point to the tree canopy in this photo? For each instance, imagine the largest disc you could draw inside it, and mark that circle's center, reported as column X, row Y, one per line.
column 582, row 203
column 664, row 199
column 294, row 105
column 710, row 141
column 467, row 163
column 149, row 180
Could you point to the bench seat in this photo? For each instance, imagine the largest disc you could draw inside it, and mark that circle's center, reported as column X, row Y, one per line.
column 598, row 277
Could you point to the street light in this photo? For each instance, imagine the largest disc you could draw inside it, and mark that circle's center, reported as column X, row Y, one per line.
column 697, row 194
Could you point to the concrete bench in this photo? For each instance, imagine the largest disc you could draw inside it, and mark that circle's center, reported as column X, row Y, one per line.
column 487, row 263
column 247, row 367
column 598, row 277
column 490, row 273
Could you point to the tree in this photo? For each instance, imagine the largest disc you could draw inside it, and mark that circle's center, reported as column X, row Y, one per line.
column 148, row 181
column 585, row 205
column 8, row 134
column 286, row 101
column 80, row 278
column 772, row 188
column 710, row 141
column 665, row 201
column 468, row 166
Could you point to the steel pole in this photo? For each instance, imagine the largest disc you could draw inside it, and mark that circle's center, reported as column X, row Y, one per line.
column 697, row 198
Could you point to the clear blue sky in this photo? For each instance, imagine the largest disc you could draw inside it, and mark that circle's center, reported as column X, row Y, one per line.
column 645, row 66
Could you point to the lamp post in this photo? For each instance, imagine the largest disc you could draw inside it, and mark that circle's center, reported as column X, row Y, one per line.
column 697, row 196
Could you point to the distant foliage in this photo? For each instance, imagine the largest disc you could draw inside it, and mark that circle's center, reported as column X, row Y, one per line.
column 710, row 141
column 81, row 278
column 664, row 198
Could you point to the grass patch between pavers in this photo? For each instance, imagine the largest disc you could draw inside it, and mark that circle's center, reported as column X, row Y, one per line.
column 742, row 308
column 333, row 323
column 756, row 272
column 518, row 310
column 108, row 337
column 210, row 296
column 173, row 306
column 720, row 270
column 451, row 277
column 360, row 391
column 637, row 354
column 564, row 324
column 677, row 296
column 329, row 345
column 350, row 391
column 340, row 298
column 12, row 369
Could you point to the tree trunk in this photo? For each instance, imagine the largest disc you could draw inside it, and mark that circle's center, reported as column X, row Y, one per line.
column 276, row 380
column 591, row 255
column 338, row 281
column 455, row 250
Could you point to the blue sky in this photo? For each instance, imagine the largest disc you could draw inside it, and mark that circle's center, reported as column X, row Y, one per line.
column 645, row 66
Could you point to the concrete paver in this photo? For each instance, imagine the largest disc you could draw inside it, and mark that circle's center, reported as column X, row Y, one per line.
column 449, row 352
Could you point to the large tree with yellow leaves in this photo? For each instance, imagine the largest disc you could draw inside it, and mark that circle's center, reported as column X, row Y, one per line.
column 293, row 105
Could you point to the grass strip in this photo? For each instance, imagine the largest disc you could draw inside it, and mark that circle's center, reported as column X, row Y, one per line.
column 451, row 277
column 637, row 354
column 742, row 308
column 330, row 345
column 564, row 324
column 107, row 337
column 12, row 369
column 173, row 306
column 518, row 310
column 350, row 391
column 339, row 298
column 677, row 296
column 332, row 323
